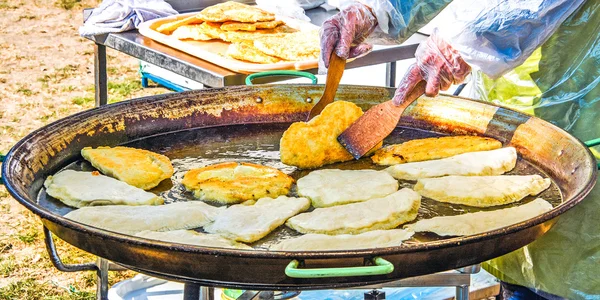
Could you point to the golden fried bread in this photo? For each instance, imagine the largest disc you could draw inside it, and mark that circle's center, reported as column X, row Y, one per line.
column 234, row 11
column 245, row 36
column 313, row 144
column 169, row 27
column 141, row 168
column 433, row 148
column 246, row 51
column 234, row 182
column 235, row 26
column 194, row 32
column 296, row 46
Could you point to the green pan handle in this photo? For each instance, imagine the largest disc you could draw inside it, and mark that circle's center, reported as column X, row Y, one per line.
column 592, row 143
column 310, row 76
column 381, row 267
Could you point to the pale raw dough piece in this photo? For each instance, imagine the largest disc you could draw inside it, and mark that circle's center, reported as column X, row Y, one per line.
column 331, row 187
column 482, row 191
column 479, row 222
column 324, row 242
column 79, row 189
column 493, row 162
column 191, row 237
column 382, row 213
column 249, row 223
column 133, row 219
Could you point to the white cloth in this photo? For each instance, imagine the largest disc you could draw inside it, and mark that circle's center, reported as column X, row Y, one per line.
column 122, row 15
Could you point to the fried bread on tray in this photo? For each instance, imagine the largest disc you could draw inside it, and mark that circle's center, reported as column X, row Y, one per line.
column 246, row 51
column 235, row 26
column 234, row 11
column 194, row 32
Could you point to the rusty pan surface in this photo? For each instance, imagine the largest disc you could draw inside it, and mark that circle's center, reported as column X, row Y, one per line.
column 245, row 123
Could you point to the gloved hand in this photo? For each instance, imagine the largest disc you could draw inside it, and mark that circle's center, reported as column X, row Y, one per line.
column 345, row 33
column 438, row 64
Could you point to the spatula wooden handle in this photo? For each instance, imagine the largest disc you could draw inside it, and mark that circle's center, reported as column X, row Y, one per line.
column 334, row 75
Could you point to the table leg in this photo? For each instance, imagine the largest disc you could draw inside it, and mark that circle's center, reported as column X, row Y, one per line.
column 100, row 81
column 390, row 74
column 191, row 291
column 102, row 275
column 207, row 293
column 462, row 292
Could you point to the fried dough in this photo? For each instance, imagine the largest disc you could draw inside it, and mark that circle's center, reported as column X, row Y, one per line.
column 325, row 242
column 432, row 148
column 482, row 191
column 251, row 36
column 234, row 182
column 249, row 223
column 376, row 214
column 194, row 32
column 79, row 189
column 137, row 167
column 134, row 219
column 332, row 187
column 492, row 162
column 479, row 222
column 191, row 237
column 298, row 46
column 314, row 143
column 235, row 26
column 246, row 51
column 234, row 11
column 169, row 27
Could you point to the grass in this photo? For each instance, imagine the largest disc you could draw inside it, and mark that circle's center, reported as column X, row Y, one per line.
column 24, row 91
column 26, row 17
column 29, row 236
column 5, row 5
column 33, row 289
column 79, row 100
column 67, row 4
column 7, row 266
column 59, row 75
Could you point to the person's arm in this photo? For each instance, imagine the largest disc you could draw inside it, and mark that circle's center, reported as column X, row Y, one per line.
column 399, row 19
column 381, row 21
column 495, row 36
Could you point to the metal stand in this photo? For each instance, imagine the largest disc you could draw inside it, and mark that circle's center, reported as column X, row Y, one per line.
column 390, row 74
column 100, row 78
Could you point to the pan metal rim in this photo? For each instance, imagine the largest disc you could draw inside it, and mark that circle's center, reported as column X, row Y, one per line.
column 417, row 247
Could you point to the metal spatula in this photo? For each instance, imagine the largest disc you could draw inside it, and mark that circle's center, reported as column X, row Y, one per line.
column 334, row 74
column 376, row 124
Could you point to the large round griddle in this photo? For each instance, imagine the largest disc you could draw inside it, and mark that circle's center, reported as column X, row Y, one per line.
column 244, row 123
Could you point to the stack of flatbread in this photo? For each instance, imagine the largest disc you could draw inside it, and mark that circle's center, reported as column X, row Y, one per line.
column 255, row 35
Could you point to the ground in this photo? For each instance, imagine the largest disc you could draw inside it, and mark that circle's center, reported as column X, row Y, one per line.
column 46, row 73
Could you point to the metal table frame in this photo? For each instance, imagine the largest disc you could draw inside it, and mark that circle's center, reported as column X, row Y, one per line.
column 134, row 44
